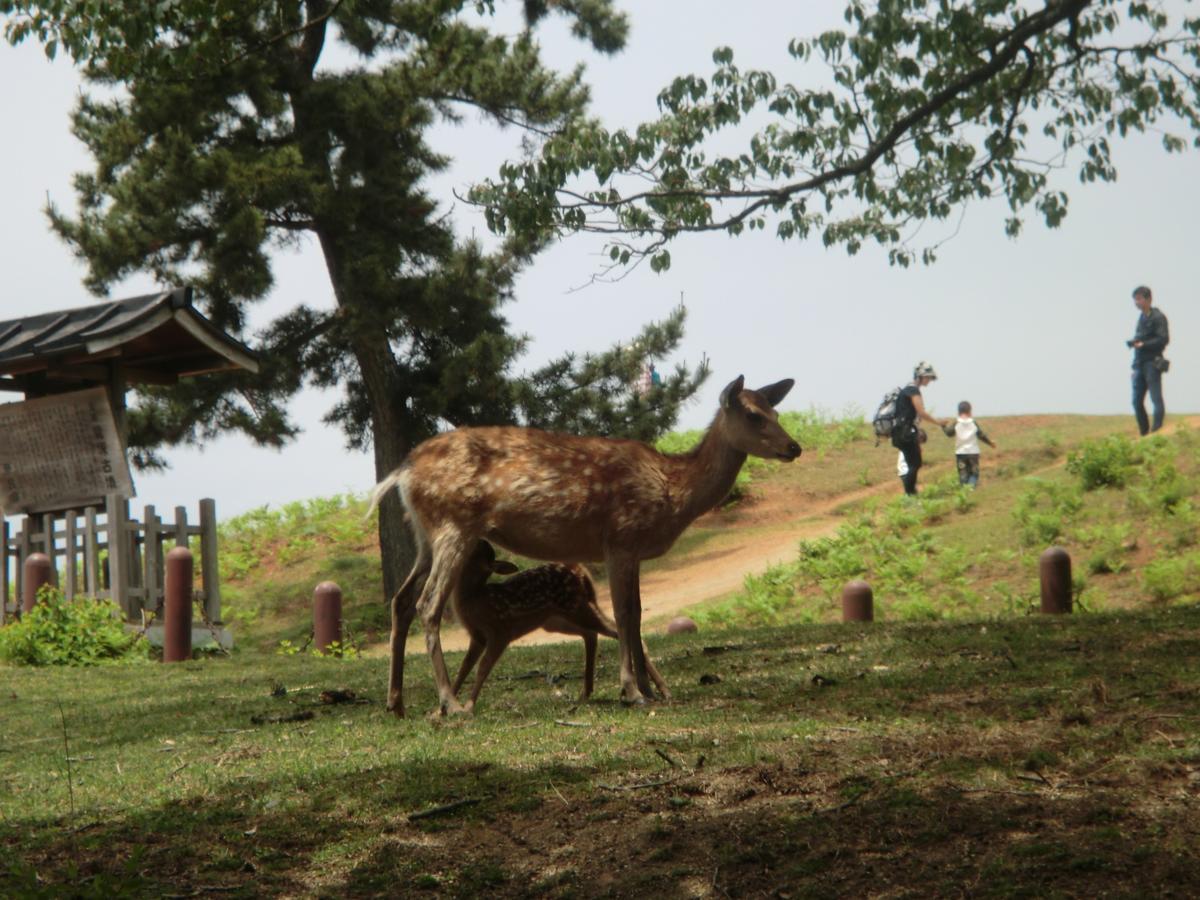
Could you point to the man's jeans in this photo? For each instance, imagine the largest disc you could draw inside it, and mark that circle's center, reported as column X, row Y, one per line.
column 1147, row 378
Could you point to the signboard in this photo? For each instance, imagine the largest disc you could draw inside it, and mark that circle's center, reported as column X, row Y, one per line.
column 60, row 452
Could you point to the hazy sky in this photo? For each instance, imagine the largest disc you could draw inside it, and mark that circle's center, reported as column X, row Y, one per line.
column 1035, row 325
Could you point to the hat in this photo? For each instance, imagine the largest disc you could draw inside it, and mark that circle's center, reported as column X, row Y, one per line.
column 924, row 370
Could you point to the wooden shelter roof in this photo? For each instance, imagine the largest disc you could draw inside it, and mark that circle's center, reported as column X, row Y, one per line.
column 155, row 339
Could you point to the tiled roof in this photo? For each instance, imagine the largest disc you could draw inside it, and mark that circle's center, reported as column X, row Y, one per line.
column 156, row 333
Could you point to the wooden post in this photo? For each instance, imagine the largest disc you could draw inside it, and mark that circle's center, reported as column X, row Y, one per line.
column 38, row 572
column 91, row 551
column 137, row 590
column 117, row 385
column 48, row 543
column 150, row 570
column 177, row 606
column 118, row 561
column 327, row 615
column 23, row 551
column 858, row 602
column 181, row 527
column 209, row 573
column 70, row 567
column 1055, row 570
column 4, row 581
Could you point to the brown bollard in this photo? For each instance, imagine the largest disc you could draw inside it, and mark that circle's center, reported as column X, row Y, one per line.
column 36, row 572
column 177, row 606
column 327, row 615
column 858, row 603
column 1055, row 570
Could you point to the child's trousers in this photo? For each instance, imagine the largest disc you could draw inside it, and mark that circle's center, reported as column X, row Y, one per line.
column 968, row 468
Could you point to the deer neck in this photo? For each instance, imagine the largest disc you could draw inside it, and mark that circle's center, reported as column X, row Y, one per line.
column 709, row 471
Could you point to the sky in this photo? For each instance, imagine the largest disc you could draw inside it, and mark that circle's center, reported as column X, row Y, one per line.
column 1032, row 325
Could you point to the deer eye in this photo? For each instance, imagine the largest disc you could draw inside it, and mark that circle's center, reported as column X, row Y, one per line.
column 756, row 419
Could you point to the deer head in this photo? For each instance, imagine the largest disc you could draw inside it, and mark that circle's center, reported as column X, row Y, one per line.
column 482, row 564
column 750, row 424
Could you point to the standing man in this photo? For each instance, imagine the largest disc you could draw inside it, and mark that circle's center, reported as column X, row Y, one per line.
column 1149, row 341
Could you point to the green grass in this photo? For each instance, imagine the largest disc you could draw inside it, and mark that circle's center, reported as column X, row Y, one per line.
column 1029, row 756
column 959, row 744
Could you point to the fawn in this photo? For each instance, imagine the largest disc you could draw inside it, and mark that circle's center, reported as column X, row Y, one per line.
column 558, row 598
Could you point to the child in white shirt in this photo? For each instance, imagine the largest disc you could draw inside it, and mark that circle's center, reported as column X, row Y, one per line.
column 967, row 435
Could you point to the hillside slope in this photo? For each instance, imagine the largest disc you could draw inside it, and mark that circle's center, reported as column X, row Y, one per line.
column 273, row 559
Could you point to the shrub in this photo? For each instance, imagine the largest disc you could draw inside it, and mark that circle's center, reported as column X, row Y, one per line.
column 1183, row 525
column 1109, row 546
column 1044, row 511
column 81, row 632
column 1167, row 579
column 1107, row 462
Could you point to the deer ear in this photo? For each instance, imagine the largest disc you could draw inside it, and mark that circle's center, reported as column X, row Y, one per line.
column 777, row 391
column 729, row 395
column 504, row 567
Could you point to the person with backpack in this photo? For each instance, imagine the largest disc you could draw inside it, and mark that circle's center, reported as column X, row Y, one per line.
column 906, row 433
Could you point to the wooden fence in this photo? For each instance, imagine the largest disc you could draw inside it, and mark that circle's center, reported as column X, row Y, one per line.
column 98, row 553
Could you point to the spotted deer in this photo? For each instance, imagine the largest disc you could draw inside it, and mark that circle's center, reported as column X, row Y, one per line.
column 556, row 597
column 569, row 499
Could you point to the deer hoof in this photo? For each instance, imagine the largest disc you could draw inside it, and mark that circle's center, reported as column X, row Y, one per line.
column 636, row 700
column 453, row 708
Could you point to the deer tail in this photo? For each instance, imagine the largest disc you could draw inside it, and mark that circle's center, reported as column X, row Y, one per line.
column 381, row 490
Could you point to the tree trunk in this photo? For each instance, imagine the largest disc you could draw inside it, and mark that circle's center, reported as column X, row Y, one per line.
column 389, row 438
column 396, row 548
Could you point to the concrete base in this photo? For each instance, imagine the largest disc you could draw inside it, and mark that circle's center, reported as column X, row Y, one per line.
column 203, row 636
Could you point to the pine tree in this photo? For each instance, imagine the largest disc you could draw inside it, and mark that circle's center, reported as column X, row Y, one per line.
column 218, row 135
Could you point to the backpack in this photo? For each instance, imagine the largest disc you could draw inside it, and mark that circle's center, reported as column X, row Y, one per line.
column 886, row 419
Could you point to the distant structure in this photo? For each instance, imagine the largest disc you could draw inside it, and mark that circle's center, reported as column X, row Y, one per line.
column 63, row 462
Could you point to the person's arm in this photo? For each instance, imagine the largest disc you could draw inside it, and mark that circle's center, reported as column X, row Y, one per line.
column 983, row 437
column 918, row 403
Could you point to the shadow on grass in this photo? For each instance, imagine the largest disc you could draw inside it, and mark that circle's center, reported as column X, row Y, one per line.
column 778, row 834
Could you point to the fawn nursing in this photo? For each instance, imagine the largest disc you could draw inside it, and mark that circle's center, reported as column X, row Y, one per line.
column 555, row 597
column 569, row 499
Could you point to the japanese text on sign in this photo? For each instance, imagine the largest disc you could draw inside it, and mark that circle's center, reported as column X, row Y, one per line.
column 60, row 451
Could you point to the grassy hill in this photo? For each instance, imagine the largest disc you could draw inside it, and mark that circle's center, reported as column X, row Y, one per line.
column 958, row 745
column 1125, row 512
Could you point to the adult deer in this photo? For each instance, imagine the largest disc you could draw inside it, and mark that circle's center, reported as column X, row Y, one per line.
column 569, row 499
column 556, row 597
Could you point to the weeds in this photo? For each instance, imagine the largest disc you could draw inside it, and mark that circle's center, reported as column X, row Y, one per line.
column 1170, row 578
column 1107, row 462
column 1045, row 510
column 80, row 632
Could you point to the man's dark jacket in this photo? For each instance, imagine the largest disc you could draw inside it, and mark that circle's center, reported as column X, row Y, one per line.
column 1152, row 331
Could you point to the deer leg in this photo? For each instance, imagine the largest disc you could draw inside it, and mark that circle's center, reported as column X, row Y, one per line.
column 403, row 610
column 449, row 556
column 589, row 664
column 490, row 657
column 627, row 610
column 608, row 629
column 468, row 664
column 653, row 673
